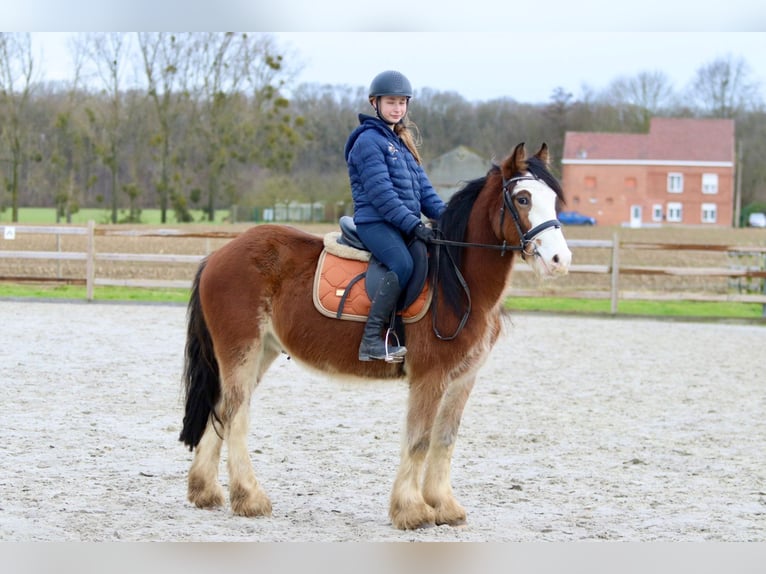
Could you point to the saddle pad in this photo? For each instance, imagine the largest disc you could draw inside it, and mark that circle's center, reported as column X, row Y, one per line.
column 331, row 280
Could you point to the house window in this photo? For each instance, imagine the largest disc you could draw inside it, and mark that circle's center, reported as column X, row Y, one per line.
column 710, row 183
column 675, row 182
column 675, row 212
column 590, row 182
column 709, row 213
column 630, row 183
column 657, row 212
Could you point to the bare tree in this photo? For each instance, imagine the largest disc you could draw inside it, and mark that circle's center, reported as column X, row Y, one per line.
column 17, row 68
column 240, row 77
column 166, row 58
column 641, row 97
column 723, row 88
column 109, row 53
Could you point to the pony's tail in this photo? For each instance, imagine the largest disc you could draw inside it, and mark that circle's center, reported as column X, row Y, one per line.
column 201, row 378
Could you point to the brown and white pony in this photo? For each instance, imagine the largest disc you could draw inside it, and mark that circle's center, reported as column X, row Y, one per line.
column 252, row 300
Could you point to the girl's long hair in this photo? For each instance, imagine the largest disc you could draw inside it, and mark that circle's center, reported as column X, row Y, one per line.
column 409, row 134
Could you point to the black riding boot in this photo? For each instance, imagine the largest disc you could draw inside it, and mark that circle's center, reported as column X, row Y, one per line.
column 373, row 345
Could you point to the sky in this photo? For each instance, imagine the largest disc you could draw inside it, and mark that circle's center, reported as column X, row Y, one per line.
column 482, row 50
column 484, row 66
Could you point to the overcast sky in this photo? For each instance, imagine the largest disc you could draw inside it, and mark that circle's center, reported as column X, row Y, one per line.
column 520, row 50
column 488, row 66
column 482, row 66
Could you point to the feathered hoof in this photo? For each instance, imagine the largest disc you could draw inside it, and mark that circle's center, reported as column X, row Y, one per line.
column 250, row 502
column 412, row 516
column 203, row 495
column 450, row 513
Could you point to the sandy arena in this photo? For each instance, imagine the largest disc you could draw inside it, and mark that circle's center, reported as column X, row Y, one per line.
column 578, row 429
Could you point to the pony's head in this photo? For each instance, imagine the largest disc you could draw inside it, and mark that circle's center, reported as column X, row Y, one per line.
column 528, row 215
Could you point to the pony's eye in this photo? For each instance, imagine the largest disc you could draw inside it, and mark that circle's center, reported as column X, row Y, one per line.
column 522, row 200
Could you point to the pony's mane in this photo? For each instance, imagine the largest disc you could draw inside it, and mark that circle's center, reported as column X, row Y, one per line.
column 454, row 222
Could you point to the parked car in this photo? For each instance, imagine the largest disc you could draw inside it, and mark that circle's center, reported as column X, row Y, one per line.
column 757, row 220
column 575, row 218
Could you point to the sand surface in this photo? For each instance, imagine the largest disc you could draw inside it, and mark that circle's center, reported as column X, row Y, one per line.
column 578, row 429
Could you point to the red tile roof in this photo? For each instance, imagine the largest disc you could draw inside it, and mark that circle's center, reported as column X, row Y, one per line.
column 669, row 139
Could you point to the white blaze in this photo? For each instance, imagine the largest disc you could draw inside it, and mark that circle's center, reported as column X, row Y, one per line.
column 552, row 252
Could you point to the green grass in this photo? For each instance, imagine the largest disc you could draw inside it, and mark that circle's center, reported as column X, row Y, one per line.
column 47, row 216
column 68, row 292
column 728, row 310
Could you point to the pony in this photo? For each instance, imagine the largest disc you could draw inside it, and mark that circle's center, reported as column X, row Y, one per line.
column 251, row 301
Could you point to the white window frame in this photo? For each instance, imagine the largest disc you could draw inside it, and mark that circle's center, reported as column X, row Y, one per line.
column 709, row 213
column 675, row 212
column 709, row 183
column 657, row 212
column 675, row 182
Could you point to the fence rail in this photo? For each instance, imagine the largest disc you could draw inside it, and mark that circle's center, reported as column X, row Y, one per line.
column 614, row 269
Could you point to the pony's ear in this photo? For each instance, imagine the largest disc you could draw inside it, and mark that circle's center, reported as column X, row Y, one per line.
column 543, row 155
column 516, row 162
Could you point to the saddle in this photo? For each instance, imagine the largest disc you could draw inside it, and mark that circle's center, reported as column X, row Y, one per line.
column 347, row 276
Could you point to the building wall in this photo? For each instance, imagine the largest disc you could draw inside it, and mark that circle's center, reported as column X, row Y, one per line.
column 608, row 193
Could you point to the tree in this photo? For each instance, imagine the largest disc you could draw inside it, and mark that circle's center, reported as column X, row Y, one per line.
column 108, row 51
column 69, row 140
column 240, row 113
column 723, row 89
column 166, row 57
column 641, row 97
column 557, row 114
column 16, row 76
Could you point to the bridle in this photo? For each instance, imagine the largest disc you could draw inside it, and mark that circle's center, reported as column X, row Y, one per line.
column 525, row 239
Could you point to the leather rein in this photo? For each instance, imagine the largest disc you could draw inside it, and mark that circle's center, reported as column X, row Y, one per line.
column 525, row 239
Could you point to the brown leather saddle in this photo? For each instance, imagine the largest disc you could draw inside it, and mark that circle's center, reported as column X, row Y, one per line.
column 347, row 276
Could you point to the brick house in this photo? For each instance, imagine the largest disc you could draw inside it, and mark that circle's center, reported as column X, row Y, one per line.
column 680, row 173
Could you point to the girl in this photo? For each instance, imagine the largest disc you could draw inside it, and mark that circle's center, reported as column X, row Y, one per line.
column 390, row 190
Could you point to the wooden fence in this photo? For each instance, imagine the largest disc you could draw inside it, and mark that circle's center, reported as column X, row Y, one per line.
column 614, row 268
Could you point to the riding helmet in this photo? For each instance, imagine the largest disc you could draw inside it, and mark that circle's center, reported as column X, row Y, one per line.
column 390, row 83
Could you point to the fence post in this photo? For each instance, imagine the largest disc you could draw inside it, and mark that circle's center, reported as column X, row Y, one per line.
column 90, row 261
column 58, row 250
column 615, row 271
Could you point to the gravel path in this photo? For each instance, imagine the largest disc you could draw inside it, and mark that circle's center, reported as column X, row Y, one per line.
column 578, row 429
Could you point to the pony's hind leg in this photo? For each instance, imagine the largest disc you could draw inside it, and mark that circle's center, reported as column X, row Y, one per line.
column 246, row 495
column 204, row 490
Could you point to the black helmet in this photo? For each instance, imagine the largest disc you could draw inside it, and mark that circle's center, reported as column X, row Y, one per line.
column 390, row 83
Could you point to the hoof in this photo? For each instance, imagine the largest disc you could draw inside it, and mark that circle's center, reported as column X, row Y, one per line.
column 412, row 517
column 448, row 511
column 203, row 496
column 453, row 517
column 250, row 502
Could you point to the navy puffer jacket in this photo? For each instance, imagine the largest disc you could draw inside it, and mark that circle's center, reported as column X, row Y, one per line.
column 387, row 184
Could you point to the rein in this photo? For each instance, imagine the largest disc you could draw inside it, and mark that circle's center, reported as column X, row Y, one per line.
column 525, row 239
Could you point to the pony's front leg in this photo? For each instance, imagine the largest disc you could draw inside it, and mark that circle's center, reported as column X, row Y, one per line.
column 203, row 488
column 437, row 486
column 408, row 508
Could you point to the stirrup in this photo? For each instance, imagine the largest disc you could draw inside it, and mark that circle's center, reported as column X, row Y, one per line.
column 398, row 356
